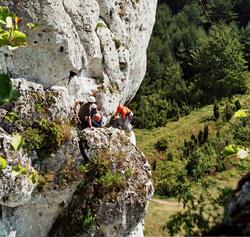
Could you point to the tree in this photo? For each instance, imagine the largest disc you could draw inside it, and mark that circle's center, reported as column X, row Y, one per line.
column 237, row 105
column 221, row 10
column 216, row 111
column 243, row 9
column 220, row 63
column 245, row 40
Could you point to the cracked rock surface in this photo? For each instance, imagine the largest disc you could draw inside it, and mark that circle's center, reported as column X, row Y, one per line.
column 93, row 182
column 85, row 45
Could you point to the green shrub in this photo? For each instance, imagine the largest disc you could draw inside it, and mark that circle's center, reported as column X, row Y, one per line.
column 172, row 185
column 201, row 138
column 205, row 133
column 88, row 220
column 237, row 105
column 216, row 111
column 241, row 131
column 161, row 144
column 201, row 162
column 228, row 112
column 45, row 136
column 170, row 157
column 111, row 179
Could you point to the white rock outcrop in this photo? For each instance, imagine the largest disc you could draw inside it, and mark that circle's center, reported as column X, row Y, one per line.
column 64, row 182
column 85, row 45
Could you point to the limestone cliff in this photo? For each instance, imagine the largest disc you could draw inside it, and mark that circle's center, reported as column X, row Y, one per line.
column 85, row 45
column 63, row 181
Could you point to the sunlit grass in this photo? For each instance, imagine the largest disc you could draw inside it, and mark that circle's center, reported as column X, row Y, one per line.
column 177, row 132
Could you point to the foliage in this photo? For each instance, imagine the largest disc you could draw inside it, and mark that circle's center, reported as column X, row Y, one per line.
column 228, row 112
column 7, row 92
column 101, row 172
column 221, row 10
column 216, row 111
column 161, row 144
column 17, row 141
column 245, row 40
column 241, row 131
column 45, row 136
column 192, row 62
column 31, row 173
column 88, row 220
column 201, row 162
column 12, row 37
column 3, row 163
column 110, row 179
column 220, row 63
column 198, row 216
column 237, row 105
column 9, row 33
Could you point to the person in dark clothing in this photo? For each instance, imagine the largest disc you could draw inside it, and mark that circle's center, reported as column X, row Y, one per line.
column 86, row 111
column 96, row 117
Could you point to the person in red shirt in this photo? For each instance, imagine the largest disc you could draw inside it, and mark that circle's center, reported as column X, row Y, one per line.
column 124, row 116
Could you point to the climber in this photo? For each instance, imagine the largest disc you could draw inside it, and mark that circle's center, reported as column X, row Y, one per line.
column 86, row 111
column 124, row 116
column 96, row 117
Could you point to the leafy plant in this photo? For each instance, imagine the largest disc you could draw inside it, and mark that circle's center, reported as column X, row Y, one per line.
column 17, row 141
column 88, row 220
column 45, row 136
column 237, row 105
column 12, row 37
column 7, row 92
column 3, row 163
column 110, row 179
column 201, row 162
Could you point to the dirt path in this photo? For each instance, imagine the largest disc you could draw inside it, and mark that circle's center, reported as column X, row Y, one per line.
column 168, row 203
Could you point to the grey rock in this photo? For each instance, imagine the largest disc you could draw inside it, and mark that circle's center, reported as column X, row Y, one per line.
column 94, row 174
column 85, row 45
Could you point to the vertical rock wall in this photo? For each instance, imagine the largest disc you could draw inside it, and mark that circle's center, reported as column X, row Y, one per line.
column 86, row 45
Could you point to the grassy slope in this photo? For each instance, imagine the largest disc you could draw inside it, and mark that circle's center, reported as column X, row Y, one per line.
column 180, row 130
column 158, row 213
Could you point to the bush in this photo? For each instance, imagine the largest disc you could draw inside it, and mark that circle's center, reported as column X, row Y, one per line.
column 237, row 105
column 200, row 138
column 172, row 186
column 241, row 131
column 205, row 134
column 161, row 144
column 111, row 179
column 45, row 136
column 228, row 112
column 216, row 112
column 201, row 162
column 220, row 63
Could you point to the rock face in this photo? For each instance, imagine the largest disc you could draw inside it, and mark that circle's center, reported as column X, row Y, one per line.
column 64, row 182
column 85, row 45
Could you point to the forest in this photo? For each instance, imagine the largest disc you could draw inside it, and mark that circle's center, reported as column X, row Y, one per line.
column 199, row 53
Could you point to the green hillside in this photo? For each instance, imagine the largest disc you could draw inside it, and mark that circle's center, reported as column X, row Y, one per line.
column 171, row 176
